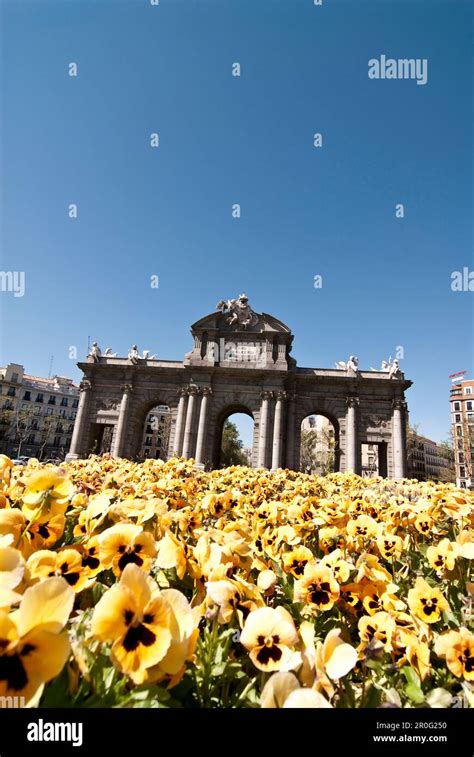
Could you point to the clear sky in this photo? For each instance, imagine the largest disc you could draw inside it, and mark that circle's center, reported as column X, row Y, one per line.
column 249, row 140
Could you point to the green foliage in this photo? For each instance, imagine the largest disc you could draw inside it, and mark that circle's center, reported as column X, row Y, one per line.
column 231, row 446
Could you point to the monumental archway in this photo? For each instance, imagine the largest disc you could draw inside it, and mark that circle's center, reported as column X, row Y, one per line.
column 221, row 417
column 242, row 359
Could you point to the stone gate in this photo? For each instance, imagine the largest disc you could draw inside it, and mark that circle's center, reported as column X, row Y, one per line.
column 241, row 362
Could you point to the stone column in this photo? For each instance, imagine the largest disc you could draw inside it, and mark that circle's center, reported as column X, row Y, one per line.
column 80, row 424
column 202, row 428
column 178, row 432
column 277, row 430
column 262, row 429
column 398, row 439
column 290, row 431
column 121, row 430
column 189, row 427
column 351, row 435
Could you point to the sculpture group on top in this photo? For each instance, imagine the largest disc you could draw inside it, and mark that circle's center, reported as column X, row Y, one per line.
column 133, row 354
column 391, row 367
column 238, row 311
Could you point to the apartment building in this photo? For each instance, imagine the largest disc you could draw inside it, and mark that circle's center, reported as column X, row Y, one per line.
column 36, row 414
column 427, row 460
column 462, row 425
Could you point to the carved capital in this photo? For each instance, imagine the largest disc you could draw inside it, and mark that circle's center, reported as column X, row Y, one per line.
column 207, row 391
column 127, row 388
column 352, row 402
column 266, row 395
column 399, row 404
column 281, row 396
column 85, row 385
column 192, row 390
column 182, row 391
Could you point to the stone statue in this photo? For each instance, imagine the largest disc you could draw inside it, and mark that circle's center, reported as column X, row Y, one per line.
column 133, row 354
column 394, row 370
column 108, row 352
column 147, row 356
column 383, row 367
column 351, row 365
column 95, row 352
column 239, row 312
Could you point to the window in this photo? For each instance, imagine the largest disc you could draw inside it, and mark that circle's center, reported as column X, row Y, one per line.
column 11, row 391
column 37, row 410
column 457, row 406
column 148, row 441
column 457, row 418
column 75, row 403
column 52, row 400
column 27, row 396
column 147, row 453
column 469, row 405
column 62, row 412
column 39, row 397
column 73, row 415
column 15, row 378
column 458, row 431
column 49, row 411
column 470, row 417
column 31, row 439
column 34, row 425
column 56, row 441
column 461, row 457
column 24, row 406
column 462, row 471
column 468, row 390
column 64, row 402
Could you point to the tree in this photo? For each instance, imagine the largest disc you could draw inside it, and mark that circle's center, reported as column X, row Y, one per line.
column 231, row 446
column 21, row 423
column 164, row 430
column 46, row 430
column 412, row 437
column 318, row 451
column 447, row 472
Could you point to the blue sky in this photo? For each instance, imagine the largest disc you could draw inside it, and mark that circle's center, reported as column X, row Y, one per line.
column 247, row 140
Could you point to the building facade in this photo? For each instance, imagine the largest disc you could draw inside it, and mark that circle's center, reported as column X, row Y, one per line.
column 241, row 362
column 427, row 460
column 462, row 426
column 36, row 414
column 156, row 433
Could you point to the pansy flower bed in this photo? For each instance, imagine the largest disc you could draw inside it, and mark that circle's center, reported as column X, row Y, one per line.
column 159, row 585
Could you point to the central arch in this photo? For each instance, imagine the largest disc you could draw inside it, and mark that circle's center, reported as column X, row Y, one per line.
column 318, row 412
column 221, row 418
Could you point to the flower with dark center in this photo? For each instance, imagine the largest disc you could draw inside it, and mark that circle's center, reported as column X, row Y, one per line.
column 125, row 544
column 270, row 636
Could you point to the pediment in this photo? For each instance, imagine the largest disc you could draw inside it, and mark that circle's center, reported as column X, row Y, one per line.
column 218, row 322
